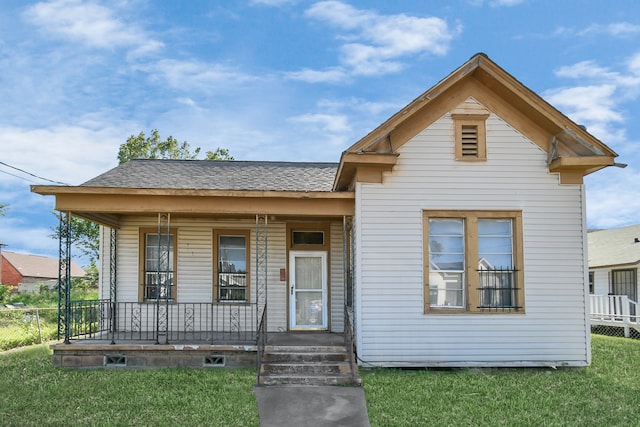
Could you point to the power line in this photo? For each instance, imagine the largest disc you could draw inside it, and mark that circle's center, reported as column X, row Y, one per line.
column 18, row 176
column 33, row 175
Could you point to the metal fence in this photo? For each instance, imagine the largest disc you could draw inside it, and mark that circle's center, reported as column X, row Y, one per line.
column 163, row 323
column 21, row 326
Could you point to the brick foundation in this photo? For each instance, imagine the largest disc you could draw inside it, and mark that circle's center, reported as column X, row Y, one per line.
column 152, row 356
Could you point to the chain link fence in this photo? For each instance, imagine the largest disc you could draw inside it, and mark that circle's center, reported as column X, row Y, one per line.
column 630, row 330
column 21, row 326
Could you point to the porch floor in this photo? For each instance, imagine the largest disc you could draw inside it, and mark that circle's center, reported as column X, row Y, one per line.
column 296, row 338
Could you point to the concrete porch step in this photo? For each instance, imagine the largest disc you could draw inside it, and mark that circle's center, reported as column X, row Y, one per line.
column 307, row 365
column 326, row 368
column 318, row 380
column 304, row 357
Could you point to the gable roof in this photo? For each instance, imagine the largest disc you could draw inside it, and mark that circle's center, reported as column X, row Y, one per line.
column 613, row 247
column 38, row 266
column 218, row 175
column 572, row 151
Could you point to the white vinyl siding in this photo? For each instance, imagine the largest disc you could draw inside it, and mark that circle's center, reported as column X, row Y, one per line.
column 392, row 326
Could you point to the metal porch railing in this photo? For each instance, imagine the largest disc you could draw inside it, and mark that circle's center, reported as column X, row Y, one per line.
column 163, row 323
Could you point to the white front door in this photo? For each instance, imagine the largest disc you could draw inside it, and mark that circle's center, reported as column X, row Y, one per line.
column 308, row 290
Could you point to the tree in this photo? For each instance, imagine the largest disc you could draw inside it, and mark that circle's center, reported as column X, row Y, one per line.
column 152, row 147
column 3, row 208
column 85, row 236
column 219, row 154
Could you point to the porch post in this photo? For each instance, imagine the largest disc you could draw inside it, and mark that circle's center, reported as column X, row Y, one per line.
column 64, row 277
column 347, row 224
column 261, row 269
column 113, row 270
column 163, row 260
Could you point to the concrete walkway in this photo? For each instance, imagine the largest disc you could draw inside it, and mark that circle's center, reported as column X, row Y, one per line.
column 311, row 406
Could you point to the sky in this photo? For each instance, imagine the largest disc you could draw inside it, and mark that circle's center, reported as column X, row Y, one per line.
column 287, row 80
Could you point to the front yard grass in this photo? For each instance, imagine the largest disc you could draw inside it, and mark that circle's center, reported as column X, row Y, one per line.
column 606, row 393
column 34, row 393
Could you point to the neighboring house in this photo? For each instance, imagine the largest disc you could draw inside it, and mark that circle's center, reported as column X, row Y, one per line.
column 28, row 272
column 453, row 234
column 614, row 259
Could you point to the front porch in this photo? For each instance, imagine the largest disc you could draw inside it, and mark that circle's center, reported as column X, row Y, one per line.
column 189, row 351
column 106, row 334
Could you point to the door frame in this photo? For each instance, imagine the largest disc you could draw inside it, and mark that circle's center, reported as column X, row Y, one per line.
column 292, row 324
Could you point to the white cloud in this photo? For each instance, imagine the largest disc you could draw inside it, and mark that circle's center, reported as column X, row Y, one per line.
column 331, row 75
column 375, row 44
column 598, row 100
column 324, row 123
column 497, row 3
column 195, row 75
column 612, row 198
column 29, row 239
column 272, row 3
column 92, row 24
column 69, row 154
column 617, row 29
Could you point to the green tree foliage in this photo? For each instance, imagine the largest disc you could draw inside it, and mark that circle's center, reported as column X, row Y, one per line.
column 85, row 234
column 219, row 154
column 84, row 237
column 152, row 147
column 3, row 207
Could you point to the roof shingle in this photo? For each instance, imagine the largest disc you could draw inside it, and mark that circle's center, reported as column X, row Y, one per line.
column 218, row 175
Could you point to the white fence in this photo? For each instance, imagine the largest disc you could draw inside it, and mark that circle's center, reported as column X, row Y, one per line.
column 614, row 315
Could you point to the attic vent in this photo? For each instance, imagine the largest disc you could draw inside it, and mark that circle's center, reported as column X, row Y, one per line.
column 469, row 140
column 470, row 137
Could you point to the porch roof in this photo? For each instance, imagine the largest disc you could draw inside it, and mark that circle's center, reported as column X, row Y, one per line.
column 205, row 188
column 218, row 175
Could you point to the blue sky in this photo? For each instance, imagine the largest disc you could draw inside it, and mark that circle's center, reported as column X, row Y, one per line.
column 288, row 80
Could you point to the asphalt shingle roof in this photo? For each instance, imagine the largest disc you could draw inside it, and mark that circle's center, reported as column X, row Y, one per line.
column 219, row 175
column 617, row 246
column 39, row 266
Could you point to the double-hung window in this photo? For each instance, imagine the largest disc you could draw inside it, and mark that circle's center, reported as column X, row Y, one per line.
column 473, row 261
column 231, row 250
column 157, row 275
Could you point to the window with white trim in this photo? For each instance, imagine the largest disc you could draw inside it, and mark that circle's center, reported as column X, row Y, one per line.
column 473, row 261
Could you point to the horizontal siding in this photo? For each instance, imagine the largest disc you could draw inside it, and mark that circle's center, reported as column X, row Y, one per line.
column 392, row 326
column 337, row 279
column 195, row 264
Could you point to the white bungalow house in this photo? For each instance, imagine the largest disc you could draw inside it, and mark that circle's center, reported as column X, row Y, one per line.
column 614, row 260
column 454, row 234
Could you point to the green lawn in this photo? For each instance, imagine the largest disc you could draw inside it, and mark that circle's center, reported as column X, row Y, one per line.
column 605, row 394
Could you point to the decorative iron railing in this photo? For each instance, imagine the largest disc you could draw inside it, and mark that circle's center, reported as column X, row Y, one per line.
column 261, row 340
column 498, row 290
column 162, row 322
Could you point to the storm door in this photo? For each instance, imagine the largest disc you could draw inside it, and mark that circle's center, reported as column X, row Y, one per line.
column 308, row 290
